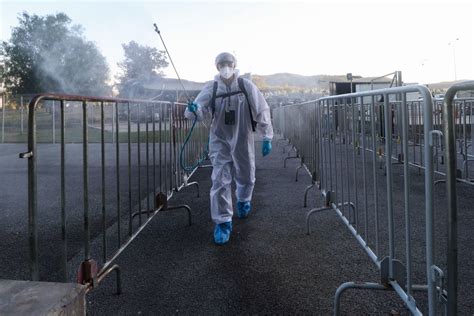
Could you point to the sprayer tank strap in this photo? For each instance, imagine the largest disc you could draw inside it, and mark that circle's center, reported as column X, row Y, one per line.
column 240, row 81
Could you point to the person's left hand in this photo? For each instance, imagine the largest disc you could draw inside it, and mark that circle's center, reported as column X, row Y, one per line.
column 266, row 147
column 192, row 107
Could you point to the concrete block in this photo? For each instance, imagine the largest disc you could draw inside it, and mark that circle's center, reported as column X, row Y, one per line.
column 41, row 298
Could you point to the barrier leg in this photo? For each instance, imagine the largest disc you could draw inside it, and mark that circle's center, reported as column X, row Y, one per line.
column 314, row 210
column 284, row 147
column 291, row 149
column 118, row 274
column 186, row 207
column 169, row 208
column 306, row 193
column 281, row 140
column 353, row 285
column 351, row 206
column 288, row 158
column 297, row 170
column 195, row 183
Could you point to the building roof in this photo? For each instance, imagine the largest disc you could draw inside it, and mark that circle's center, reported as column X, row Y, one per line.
column 373, row 79
column 365, row 80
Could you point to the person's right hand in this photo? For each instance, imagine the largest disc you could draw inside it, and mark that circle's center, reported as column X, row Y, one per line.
column 192, row 107
column 266, row 147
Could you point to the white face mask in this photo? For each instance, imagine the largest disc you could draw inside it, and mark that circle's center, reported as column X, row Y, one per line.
column 226, row 72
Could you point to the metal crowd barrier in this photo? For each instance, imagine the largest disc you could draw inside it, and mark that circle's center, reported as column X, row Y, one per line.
column 195, row 149
column 450, row 112
column 141, row 162
column 304, row 117
column 353, row 134
column 464, row 135
column 14, row 117
column 464, row 132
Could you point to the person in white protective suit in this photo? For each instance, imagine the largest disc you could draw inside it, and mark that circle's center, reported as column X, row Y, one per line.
column 238, row 108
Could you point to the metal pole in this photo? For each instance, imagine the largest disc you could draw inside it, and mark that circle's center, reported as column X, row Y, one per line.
column 21, row 114
column 3, row 117
column 346, row 129
column 374, row 173
column 54, row 123
column 406, row 179
column 139, row 186
column 388, row 166
column 129, row 171
column 32, row 197
column 354, row 145
column 399, row 78
column 85, row 160
column 113, row 127
column 453, row 44
column 364, row 171
column 428, row 158
column 462, row 105
column 450, row 139
column 160, row 137
column 454, row 60
column 117, row 162
column 147, row 159
column 104, row 212
column 63, row 192
column 154, row 153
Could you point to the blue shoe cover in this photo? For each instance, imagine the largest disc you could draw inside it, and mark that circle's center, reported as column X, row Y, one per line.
column 222, row 233
column 243, row 209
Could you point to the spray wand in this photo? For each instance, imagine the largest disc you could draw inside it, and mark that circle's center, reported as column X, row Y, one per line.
column 183, row 166
column 171, row 60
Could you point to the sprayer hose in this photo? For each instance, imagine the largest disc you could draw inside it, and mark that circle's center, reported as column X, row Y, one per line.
column 200, row 160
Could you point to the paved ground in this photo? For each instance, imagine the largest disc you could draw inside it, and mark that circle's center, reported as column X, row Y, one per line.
column 14, row 209
column 270, row 265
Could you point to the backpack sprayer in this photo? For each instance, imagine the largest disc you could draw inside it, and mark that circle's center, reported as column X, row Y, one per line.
column 205, row 153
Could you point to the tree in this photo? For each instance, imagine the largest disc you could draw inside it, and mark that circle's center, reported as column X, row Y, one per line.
column 48, row 54
column 141, row 64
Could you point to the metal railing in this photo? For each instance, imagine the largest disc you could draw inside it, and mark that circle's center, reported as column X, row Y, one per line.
column 286, row 119
column 194, row 149
column 449, row 130
column 359, row 137
column 125, row 182
column 464, row 132
column 14, row 117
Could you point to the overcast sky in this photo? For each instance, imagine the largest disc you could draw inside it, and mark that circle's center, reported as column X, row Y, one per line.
column 367, row 38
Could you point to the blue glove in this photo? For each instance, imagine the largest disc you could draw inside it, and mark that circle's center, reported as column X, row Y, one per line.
column 192, row 107
column 266, row 147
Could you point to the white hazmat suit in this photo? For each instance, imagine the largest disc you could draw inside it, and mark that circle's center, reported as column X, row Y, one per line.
column 231, row 147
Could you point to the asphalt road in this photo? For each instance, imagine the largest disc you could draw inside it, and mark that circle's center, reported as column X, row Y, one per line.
column 14, row 209
column 270, row 265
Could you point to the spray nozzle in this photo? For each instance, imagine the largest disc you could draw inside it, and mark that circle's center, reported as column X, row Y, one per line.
column 156, row 28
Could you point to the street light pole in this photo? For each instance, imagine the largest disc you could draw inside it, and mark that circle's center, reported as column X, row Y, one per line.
column 453, row 44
